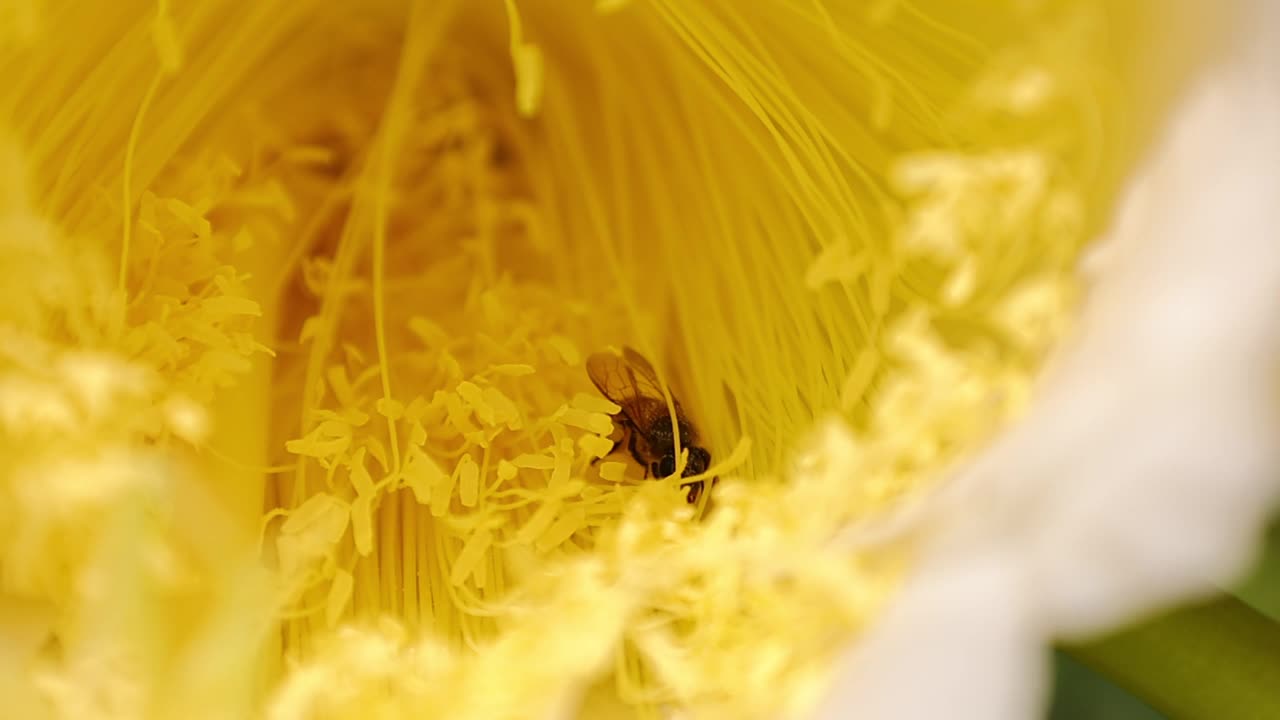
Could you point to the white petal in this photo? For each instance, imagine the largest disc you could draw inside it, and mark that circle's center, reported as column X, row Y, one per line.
column 1146, row 470
column 1143, row 474
column 994, row 671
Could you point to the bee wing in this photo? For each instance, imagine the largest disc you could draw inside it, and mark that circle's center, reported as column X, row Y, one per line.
column 645, row 378
column 628, row 380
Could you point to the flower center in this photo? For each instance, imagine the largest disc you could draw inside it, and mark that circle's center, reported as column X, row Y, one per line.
column 439, row 264
column 436, row 408
column 393, row 236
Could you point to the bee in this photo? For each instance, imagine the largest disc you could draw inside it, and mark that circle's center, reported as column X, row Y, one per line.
column 629, row 381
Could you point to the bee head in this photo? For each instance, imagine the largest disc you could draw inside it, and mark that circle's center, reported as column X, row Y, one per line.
column 699, row 459
column 665, row 466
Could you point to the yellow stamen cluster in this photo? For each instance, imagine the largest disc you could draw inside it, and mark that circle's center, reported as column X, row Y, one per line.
column 298, row 297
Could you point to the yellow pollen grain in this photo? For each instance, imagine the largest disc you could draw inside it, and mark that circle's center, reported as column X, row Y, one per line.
column 534, row 462
column 562, row 467
column 595, row 446
column 612, row 471
column 468, row 561
column 422, row 474
column 595, row 422
column 459, row 414
column 339, row 597
column 442, row 493
column 505, row 411
column 507, row 470
column 564, row 526
column 512, row 370
column 389, row 408
column 595, row 403
column 362, row 523
column 538, row 522
column 165, row 37
column 468, row 481
column 474, row 397
column 527, row 60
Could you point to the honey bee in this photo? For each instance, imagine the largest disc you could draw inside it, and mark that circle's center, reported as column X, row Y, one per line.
column 629, row 381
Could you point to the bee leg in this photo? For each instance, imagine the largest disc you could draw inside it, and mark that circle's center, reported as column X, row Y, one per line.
column 695, row 491
column 635, row 452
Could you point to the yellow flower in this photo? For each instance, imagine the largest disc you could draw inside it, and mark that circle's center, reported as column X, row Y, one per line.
column 298, row 297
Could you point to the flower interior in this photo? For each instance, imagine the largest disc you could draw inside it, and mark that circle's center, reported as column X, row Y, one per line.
column 299, row 296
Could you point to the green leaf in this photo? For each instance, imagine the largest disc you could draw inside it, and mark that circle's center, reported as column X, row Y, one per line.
column 1217, row 659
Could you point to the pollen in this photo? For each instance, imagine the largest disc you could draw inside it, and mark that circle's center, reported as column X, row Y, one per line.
column 612, row 471
column 299, row 299
column 456, row 431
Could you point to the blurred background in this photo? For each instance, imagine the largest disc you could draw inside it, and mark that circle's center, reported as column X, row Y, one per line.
column 1080, row 693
